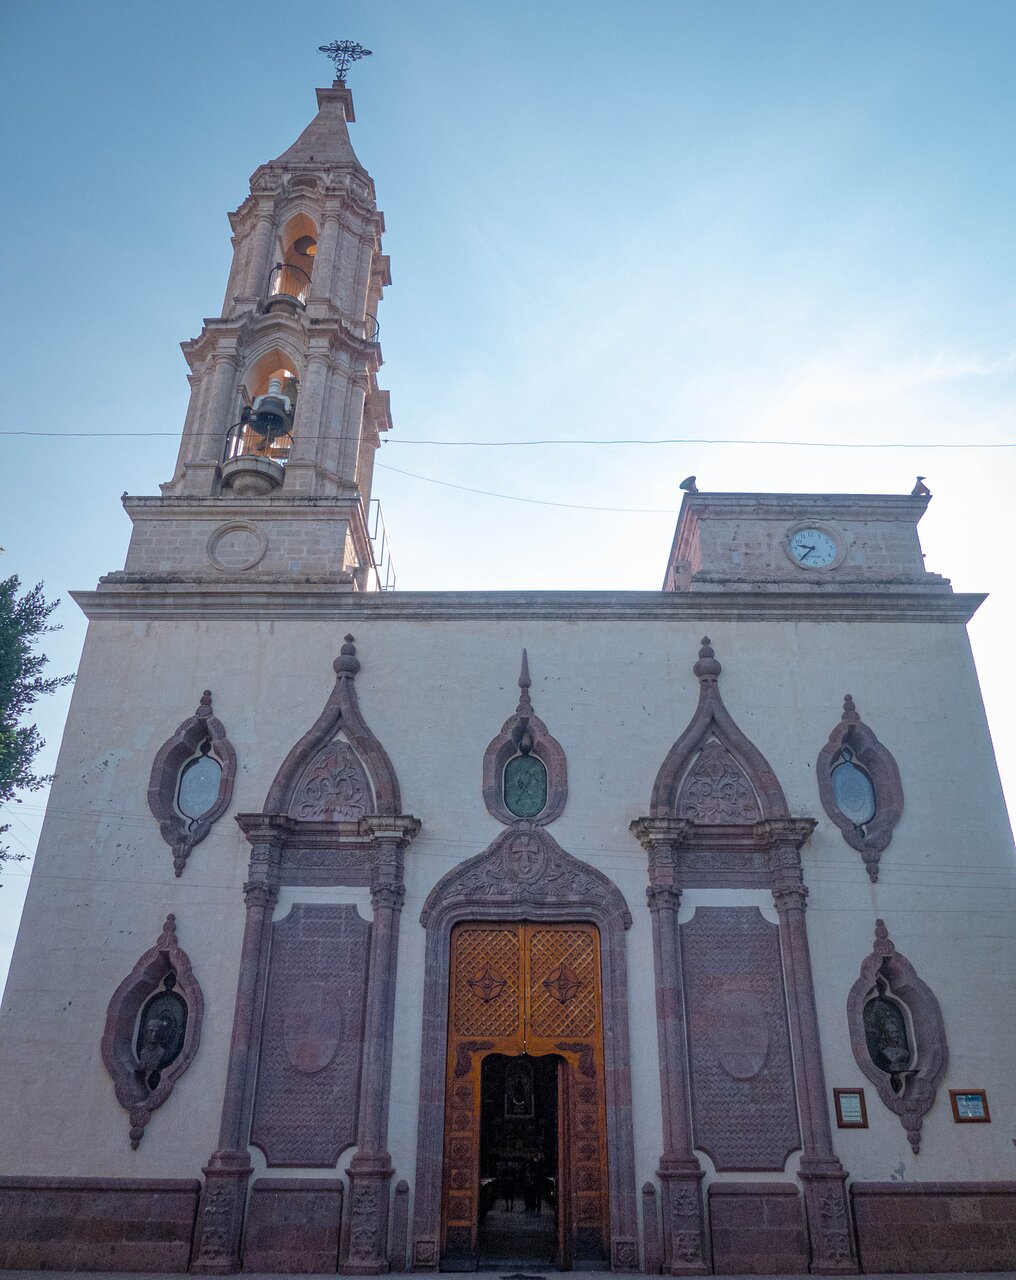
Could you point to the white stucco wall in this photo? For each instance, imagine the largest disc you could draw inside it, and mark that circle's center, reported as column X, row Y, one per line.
column 616, row 694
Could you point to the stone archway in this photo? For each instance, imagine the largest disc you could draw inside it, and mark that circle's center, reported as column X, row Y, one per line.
column 526, row 875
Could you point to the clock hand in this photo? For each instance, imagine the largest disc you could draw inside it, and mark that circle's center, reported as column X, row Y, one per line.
column 807, row 553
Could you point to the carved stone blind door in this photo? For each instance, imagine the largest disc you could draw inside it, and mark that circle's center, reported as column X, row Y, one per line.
column 534, row 989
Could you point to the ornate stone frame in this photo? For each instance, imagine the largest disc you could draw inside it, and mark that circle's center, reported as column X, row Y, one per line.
column 753, row 852
column 198, row 729
column 547, row 885
column 285, row 850
column 931, row 1052
column 117, row 1046
column 545, row 747
column 878, row 762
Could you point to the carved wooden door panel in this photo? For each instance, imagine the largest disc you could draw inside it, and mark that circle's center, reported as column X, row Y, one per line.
column 528, row 988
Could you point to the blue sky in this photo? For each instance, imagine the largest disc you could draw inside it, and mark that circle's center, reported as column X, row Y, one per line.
column 746, row 219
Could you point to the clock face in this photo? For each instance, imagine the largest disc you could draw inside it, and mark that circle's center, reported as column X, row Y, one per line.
column 812, row 549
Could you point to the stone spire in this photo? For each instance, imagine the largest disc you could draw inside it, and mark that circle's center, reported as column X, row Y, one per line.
column 325, row 141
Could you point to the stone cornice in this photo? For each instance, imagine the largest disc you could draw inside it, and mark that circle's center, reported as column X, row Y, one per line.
column 297, row 600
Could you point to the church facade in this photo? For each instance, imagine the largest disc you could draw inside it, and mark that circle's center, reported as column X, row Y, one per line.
column 377, row 930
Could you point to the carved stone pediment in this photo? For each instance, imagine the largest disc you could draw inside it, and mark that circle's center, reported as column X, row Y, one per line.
column 333, row 787
column 525, row 864
column 713, row 773
column 715, row 789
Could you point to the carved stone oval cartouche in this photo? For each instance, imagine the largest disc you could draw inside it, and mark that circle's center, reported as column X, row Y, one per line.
column 872, row 787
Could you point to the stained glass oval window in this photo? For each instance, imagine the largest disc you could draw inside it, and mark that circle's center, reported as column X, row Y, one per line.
column 885, row 1032
column 161, row 1031
column 855, row 795
column 525, row 786
column 198, row 789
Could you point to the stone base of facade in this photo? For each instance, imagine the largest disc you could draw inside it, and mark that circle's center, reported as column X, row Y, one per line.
column 757, row 1228
column 293, row 1225
column 97, row 1224
column 936, row 1226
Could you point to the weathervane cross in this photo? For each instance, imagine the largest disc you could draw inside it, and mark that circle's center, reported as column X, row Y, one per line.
column 344, row 53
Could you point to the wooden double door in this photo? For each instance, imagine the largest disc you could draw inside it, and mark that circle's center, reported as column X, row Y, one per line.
column 525, row 999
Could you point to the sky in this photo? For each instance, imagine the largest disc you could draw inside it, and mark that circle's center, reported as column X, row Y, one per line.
column 746, row 220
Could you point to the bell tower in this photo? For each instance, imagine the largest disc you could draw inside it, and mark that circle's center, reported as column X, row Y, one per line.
column 273, row 477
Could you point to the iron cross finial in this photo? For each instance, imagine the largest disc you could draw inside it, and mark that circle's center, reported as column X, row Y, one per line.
column 344, row 53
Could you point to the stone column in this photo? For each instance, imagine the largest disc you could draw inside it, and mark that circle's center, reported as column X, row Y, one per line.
column 370, row 1171
column 309, row 425
column 220, row 1213
column 833, row 1251
column 216, row 419
column 685, row 1247
column 324, row 259
column 259, row 253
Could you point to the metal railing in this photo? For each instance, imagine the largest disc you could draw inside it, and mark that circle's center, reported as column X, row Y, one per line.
column 242, row 441
column 289, row 282
column 382, row 553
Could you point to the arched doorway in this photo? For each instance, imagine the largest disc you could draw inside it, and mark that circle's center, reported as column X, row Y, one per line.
column 525, row 1145
column 524, row 880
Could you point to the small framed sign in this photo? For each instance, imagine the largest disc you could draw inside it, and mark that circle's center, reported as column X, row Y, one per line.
column 851, row 1113
column 970, row 1106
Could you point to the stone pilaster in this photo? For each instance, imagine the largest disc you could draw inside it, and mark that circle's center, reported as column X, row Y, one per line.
column 833, row 1250
column 370, row 1171
column 220, row 1212
column 685, row 1241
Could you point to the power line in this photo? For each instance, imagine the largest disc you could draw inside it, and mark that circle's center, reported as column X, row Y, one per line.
column 561, row 440
column 540, row 502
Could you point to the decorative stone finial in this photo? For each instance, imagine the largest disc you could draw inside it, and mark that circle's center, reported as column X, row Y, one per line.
column 525, row 702
column 347, row 663
column 167, row 938
column 883, row 943
column 850, row 712
column 205, row 706
column 707, row 667
column 343, row 53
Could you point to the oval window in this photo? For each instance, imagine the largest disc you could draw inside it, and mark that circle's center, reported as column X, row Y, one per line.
column 525, row 786
column 161, row 1031
column 885, row 1032
column 198, row 789
column 855, row 795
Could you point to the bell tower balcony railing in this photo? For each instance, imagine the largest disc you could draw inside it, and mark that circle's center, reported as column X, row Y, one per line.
column 289, row 282
column 253, row 463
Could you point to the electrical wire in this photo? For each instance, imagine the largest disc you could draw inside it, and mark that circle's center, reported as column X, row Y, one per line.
column 568, row 442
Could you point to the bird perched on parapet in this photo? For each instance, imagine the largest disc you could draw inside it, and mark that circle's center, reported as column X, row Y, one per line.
column 688, row 485
column 920, row 490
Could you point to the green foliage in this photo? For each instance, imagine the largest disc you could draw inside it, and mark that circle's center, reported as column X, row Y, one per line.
column 22, row 621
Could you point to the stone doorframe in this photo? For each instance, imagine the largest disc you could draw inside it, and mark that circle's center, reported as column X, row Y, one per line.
column 526, row 875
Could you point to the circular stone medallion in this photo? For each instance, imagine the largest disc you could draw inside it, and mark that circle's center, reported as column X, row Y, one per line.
column 236, row 547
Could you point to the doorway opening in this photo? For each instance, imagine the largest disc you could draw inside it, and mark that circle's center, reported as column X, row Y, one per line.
column 519, row 1200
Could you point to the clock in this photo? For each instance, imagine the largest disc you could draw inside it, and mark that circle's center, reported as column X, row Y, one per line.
column 812, row 548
